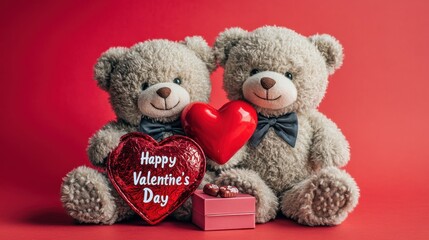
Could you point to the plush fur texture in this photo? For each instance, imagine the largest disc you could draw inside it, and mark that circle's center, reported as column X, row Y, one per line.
column 89, row 197
column 304, row 182
column 136, row 79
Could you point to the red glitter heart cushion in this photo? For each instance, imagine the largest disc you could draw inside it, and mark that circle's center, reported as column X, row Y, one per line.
column 156, row 178
column 221, row 133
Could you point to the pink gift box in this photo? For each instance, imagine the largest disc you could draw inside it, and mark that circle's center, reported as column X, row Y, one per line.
column 215, row 213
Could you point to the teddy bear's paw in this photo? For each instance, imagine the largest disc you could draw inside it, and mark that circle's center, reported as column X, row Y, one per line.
column 324, row 199
column 86, row 195
column 184, row 212
column 330, row 196
column 249, row 182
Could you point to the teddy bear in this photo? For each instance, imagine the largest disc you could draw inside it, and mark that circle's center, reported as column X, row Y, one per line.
column 148, row 84
column 292, row 163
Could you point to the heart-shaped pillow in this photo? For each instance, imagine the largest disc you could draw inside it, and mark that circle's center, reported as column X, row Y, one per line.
column 155, row 178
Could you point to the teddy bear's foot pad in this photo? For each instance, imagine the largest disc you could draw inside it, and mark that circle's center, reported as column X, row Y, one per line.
column 330, row 196
column 85, row 194
column 323, row 199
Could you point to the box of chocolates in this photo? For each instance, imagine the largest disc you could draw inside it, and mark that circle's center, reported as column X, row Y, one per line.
column 222, row 213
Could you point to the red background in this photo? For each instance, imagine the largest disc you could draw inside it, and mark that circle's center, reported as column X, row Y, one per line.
column 50, row 105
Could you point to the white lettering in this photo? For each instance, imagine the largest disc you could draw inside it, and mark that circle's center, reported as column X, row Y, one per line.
column 148, row 196
column 146, row 159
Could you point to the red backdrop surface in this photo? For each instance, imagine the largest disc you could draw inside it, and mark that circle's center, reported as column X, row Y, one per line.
column 50, row 105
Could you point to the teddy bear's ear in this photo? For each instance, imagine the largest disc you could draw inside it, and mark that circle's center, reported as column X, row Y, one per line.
column 225, row 42
column 202, row 50
column 105, row 65
column 330, row 49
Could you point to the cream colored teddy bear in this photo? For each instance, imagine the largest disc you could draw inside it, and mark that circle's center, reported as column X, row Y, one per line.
column 292, row 162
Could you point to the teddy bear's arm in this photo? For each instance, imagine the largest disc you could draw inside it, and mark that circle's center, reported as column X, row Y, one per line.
column 104, row 141
column 330, row 147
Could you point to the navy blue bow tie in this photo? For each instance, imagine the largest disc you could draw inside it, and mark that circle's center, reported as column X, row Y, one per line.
column 285, row 126
column 157, row 129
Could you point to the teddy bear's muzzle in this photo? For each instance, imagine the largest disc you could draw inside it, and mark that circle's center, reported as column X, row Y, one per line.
column 270, row 90
column 163, row 100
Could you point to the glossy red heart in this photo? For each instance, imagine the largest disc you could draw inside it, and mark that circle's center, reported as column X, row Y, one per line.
column 221, row 133
column 155, row 178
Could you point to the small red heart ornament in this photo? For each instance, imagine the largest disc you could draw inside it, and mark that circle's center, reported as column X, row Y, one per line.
column 156, row 178
column 221, row 133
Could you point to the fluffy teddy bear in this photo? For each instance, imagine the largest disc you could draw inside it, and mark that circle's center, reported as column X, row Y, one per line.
column 292, row 162
column 149, row 84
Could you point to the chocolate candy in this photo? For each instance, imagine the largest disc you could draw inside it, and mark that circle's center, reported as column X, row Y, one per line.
column 228, row 191
column 211, row 189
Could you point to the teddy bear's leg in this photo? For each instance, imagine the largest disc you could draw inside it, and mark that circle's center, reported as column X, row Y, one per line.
column 248, row 181
column 184, row 212
column 88, row 196
column 323, row 199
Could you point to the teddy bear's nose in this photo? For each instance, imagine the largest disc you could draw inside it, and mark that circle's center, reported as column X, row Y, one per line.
column 164, row 92
column 267, row 82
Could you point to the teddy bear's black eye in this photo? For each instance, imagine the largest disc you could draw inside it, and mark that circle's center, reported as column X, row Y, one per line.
column 177, row 81
column 145, row 86
column 289, row 75
column 254, row 71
